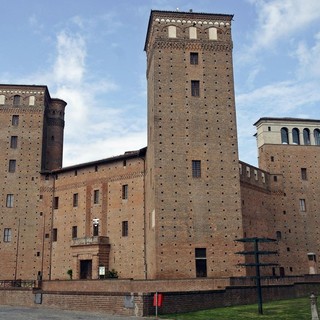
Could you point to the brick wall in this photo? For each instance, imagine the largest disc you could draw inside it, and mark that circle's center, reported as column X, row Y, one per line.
column 133, row 303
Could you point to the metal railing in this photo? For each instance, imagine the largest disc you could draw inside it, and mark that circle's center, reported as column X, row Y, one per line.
column 17, row 283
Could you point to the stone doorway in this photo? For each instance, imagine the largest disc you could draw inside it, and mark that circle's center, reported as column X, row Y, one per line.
column 85, row 269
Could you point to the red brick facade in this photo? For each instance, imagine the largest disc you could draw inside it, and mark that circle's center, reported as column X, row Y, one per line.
column 172, row 210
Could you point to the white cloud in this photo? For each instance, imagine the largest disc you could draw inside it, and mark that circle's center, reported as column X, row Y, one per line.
column 280, row 98
column 70, row 61
column 309, row 58
column 279, row 19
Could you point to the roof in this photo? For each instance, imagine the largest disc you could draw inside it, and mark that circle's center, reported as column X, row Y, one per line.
column 127, row 155
column 285, row 119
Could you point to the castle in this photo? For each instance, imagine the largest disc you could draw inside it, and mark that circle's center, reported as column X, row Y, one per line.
column 174, row 209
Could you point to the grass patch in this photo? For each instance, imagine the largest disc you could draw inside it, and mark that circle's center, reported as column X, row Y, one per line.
column 278, row 310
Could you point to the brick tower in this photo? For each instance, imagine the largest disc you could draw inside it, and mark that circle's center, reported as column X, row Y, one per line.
column 289, row 150
column 31, row 139
column 193, row 207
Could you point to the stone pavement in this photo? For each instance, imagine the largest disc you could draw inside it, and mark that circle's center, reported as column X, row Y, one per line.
column 25, row 313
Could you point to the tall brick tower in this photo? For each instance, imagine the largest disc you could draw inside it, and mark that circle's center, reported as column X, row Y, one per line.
column 31, row 139
column 192, row 180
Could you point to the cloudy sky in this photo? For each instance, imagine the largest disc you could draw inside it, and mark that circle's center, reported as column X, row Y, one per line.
column 90, row 54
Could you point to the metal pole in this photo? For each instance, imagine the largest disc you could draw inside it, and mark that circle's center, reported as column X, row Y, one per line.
column 257, row 264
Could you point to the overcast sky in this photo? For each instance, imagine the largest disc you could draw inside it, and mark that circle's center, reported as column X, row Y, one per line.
column 90, row 54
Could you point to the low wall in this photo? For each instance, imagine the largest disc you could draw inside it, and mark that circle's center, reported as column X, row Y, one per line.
column 127, row 285
column 101, row 296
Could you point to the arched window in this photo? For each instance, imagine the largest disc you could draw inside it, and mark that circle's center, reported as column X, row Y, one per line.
column 306, row 136
column 16, row 100
column 213, row 33
column 2, row 99
column 31, row 100
column 295, row 136
column 193, row 33
column 172, row 31
column 317, row 137
column 284, row 136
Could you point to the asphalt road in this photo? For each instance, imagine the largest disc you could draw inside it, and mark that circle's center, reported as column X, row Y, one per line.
column 24, row 313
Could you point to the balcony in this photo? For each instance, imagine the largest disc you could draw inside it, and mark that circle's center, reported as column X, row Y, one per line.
column 89, row 241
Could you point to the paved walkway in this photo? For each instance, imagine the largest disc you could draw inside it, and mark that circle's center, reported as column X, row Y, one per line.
column 24, row 313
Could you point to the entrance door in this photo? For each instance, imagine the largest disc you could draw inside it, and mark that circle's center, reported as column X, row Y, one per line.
column 85, row 269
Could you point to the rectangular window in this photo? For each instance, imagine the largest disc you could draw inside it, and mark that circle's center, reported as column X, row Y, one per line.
column 9, row 201
column 12, row 165
column 54, row 234
column 196, row 168
column 74, row 232
column 56, row 203
column 75, row 199
column 124, row 228
column 7, row 235
column 125, row 191
column 304, row 174
column 302, row 203
column 201, row 262
column 15, row 120
column 194, row 58
column 13, row 142
column 195, row 88
column 96, row 196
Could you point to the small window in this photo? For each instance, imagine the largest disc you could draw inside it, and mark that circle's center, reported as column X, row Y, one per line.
column 56, row 203
column 2, row 99
column 54, row 234
column 74, row 232
column 75, row 199
column 125, row 229
column 306, row 136
column 125, row 192
column 201, row 262
column 272, row 158
column 7, row 235
column 172, row 31
column 15, row 120
column 248, row 172
column 96, row 194
column 195, row 88
column 9, row 201
column 194, row 58
column 32, row 100
column 275, row 178
column 196, row 168
column 304, row 174
column 16, row 100
column 193, row 33
column 13, row 142
column 295, row 136
column 269, row 128
column 284, row 136
column 302, row 203
column 278, row 235
column 312, row 257
column 213, row 34
column 12, row 165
